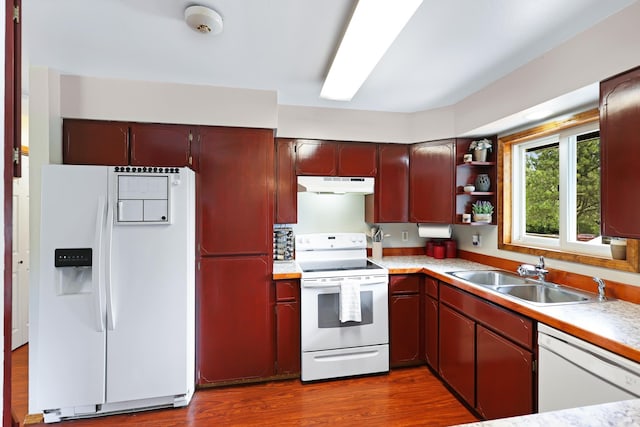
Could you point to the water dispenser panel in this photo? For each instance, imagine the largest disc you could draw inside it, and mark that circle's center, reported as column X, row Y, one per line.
column 77, row 257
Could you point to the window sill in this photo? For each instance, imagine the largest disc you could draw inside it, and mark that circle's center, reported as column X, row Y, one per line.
column 631, row 264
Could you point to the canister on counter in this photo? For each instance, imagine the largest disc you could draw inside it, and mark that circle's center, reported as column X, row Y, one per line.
column 439, row 251
column 429, row 249
column 451, row 248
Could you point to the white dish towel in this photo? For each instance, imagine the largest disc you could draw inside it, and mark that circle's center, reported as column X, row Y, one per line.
column 350, row 301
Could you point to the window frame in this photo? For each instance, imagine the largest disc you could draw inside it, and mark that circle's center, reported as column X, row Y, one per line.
column 505, row 198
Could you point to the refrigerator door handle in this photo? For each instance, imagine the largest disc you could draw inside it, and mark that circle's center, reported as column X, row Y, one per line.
column 111, row 321
column 97, row 278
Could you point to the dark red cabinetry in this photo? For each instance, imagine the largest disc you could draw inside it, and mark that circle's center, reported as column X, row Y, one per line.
column 404, row 320
column 504, row 376
column 236, row 324
column 486, row 354
column 235, row 191
column 390, row 203
column 287, row 327
column 315, row 157
column 332, row 158
column 92, row 142
column 431, row 322
column 357, row 159
column 286, row 196
column 431, row 182
column 160, row 144
column 620, row 154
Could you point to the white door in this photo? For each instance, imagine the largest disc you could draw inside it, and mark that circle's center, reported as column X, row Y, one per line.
column 20, row 278
column 68, row 338
column 150, row 302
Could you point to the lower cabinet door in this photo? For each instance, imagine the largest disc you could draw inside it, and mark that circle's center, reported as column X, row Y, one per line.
column 457, row 352
column 504, row 377
column 236, row 325
column 431, row 331
column 404, row 327
column 288, row 337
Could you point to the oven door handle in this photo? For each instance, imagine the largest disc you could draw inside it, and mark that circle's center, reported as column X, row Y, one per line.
column 336, row 284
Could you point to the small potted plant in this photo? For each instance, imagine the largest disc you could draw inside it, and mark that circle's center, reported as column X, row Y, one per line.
column 482, row 211
column 479, row 149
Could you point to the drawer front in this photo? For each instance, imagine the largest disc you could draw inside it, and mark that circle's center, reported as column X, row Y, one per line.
column 404, row 284
column 287, row 290
column 431, row 287
column 509, row 324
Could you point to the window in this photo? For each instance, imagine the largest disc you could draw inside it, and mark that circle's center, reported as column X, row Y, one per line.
column 548, row 194
column 556, row 198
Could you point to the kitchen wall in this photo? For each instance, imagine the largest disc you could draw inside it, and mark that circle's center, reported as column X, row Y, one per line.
column 327, row 213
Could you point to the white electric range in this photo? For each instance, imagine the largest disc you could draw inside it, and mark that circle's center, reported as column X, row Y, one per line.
column 334, row 266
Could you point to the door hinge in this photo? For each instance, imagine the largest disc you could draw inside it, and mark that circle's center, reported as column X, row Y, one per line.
column 534, row 366
column 16, row 155
column 16, row 14
column 190, row 136
column 190, row 159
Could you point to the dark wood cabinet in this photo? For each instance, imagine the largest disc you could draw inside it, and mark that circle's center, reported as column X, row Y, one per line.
column 457, row 352
column 431, row 322
column 357, row 159
column 236, row 325
column 287, row 327
column 620, row 154
column 486, row 354
column 235, row 191
column 466, row 173
column 431, row 182
column 333, row 158
column 314, row 157
column 504, row 376
column 93, row 142
column 404, row 320
column 286, row 198
column 390, row 203
column 160, row 144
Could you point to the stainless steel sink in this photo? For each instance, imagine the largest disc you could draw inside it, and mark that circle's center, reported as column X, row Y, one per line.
column 545, row 294
column 525, row 289
column 490, row 277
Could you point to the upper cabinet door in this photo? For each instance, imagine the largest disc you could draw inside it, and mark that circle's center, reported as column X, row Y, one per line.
column 235, row 191
column 620, row 154
column 316, row 157
column 357, row 159
column 390, row 203
column 92, row 142
column 160, row 145
column 431, row 182
column 286, row 182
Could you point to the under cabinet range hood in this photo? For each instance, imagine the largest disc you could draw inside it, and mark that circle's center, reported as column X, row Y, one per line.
column 335, row 184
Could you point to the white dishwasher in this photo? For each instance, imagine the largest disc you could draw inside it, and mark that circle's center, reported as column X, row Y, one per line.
column 573, row 373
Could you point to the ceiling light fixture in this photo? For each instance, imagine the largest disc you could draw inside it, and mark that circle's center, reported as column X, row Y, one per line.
column 203, row 20
column 375, row 24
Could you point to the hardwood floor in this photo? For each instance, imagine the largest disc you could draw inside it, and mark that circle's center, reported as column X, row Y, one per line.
column 404, row 397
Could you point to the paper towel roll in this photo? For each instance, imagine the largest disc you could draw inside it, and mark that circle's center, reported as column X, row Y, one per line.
column 435, row 231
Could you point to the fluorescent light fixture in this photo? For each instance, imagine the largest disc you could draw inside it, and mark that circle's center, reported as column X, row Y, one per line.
column 375, row 24
column 538, row 114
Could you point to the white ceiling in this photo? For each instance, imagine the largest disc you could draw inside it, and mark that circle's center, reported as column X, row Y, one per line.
column 449, row 50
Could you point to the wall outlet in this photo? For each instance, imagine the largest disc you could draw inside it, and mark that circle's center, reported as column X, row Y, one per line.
column 405, row 236
column 475, row 240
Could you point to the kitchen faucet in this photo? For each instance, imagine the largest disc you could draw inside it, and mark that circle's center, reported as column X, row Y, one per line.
column 534, row 270
column 601, row 286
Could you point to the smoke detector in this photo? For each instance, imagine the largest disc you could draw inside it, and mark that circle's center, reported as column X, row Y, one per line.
column 203, row 20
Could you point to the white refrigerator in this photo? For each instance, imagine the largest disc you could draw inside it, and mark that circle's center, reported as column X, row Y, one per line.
column 113, row 310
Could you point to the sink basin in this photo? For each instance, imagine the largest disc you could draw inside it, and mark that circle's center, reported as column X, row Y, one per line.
column 490, row 277
column 544, row 294
column 526, row 289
